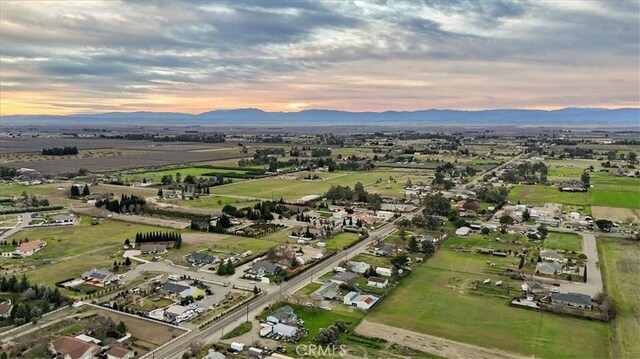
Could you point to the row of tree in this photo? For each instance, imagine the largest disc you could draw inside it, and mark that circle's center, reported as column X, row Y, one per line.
column 126, row 204
column 60, row 151
column 75, row 192
column 152, row 237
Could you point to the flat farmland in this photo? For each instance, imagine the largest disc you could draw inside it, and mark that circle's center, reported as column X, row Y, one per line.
column 624, row 215
column 91, row 153
column 291, row 187
column 620, row 265
column 217, row 202
column 156, row 157
column 195, row 241
column 606, row 181
column 437, row 301
column 608, row 198
column 539, row 195
column 72, row 250
column 10, row 190
column 341, row 240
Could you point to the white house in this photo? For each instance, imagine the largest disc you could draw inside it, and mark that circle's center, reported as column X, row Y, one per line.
column 360, row 301
column 552, row 256
column 385, row 215
column 385, row 272
column 463, row 231
column 377, row 282
column 359, row 267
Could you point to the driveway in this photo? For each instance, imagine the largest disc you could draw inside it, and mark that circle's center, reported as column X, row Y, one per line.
column 593, row 285
column 23, row 221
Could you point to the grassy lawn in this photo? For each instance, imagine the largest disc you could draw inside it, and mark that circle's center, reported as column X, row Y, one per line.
column 539, row 195
column 607, row 181
column 564, row 241
column 316, row 318
column 294, row 188
column 609, row 198
column 238, row 331
column 435, row 301
column 217, row 202
column 341, row 240
column 620, row 265
column 7, row 190
column 372, row 260
column 72, row 250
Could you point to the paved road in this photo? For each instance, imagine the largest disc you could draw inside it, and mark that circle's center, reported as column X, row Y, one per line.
column 23, row 221
column 474, row 181
column 213, row 332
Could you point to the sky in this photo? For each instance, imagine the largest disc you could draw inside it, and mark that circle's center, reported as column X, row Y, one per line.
column 290, row 55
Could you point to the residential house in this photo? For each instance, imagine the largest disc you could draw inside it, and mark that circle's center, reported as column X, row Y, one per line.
column 63, row 219
column 344, row 278
column 202, row 258
column 463, row 231
column 5, row 308
column 328, row 291
column 88, row 339
column 29, row 248
column 360, row 301
column 359, row 267
column 153, row 248
column 576, row 300
column 385, row 272
column 551, row 255
column 548, row 268
column 262, row 268
column 284, row 315
column 100, row 277
column 383, row 250
column 118, row 352
column 377, row 282
column 213, row 354
column 385, row 215
column 183, row 289
column 72, row 348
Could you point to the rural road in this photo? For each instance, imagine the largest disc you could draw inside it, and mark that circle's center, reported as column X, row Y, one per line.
column 594, row 284
column 213, row 332
column 23, row 221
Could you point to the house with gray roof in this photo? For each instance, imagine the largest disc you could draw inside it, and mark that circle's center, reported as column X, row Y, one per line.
column 261, row 268
column 576, row 300
column 152, row 248
column 343, row 278
column 284, row 315
column 328, row 291
column 202, row 258
column 100, row 277
column 549, row 268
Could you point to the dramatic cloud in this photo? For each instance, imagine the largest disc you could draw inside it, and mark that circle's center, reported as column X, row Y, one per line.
column 194, row 56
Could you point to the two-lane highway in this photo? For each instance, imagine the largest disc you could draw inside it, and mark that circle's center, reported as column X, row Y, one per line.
column 175, row 349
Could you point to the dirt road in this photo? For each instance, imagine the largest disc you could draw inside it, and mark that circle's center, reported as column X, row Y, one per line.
column 431, row 344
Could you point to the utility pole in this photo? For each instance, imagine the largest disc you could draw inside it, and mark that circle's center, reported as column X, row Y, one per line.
column 247, row 312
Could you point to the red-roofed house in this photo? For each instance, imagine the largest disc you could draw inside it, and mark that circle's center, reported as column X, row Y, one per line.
column 117, row 352
column 5, row 308
column 73, row 348
column 29, row 248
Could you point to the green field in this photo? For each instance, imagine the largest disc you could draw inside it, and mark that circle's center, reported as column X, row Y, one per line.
column 341, row 240
column 606, row 181
column 620, row 265
column 564, row 241
column 608, row 198
column 435, row 301
column 72, row 250
column 294, row 188
column 217, row 202
column 7, row 190
column 539, row 195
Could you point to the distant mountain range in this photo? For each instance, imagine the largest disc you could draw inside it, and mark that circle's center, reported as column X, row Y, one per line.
column 567, row 117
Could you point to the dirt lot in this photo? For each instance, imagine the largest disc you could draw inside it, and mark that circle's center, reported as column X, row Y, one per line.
column 429, row 343
column 616, row 214
column 149, row 334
